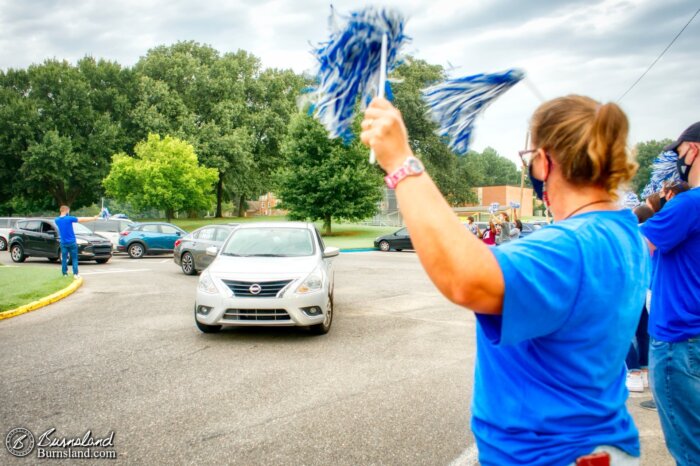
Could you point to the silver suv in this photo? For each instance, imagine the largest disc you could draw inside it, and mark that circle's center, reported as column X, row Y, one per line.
column 7, row 224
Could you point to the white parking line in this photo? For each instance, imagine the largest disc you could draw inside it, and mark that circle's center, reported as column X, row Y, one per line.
column 469, row 457
column 165, row 260
column 115, row 271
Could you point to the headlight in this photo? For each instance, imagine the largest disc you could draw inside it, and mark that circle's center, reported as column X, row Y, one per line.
column 81, row 241
column 313, row 282
column 206, row 283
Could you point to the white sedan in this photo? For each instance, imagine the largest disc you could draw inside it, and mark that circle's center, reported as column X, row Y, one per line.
column 268, row 274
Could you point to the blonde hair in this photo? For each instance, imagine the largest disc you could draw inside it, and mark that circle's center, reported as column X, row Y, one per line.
column 64, row 209
column 588, row 140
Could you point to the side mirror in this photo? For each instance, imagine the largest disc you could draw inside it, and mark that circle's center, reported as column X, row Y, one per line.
column 330, row 252
column 212, row 251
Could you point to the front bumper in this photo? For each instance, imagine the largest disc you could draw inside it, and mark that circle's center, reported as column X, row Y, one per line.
column 94, row 251
column 286, row 311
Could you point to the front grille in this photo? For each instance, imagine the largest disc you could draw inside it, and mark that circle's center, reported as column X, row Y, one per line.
column 256, row 314
column 102, row 249
column 267, row 289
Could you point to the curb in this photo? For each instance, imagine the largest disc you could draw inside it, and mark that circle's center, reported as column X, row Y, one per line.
column 359, row 250
column 39, row 303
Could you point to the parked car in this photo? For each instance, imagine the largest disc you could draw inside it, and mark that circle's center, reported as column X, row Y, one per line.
column 269, row 274
column 7, row 224
column 399, row 240
column 110, row 228
column 38, row 237
column 149, row 238
column 190, row 251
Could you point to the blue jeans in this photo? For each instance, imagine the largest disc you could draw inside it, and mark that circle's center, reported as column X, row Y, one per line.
column 638, row 354
column 674, row 378
column 72, row 249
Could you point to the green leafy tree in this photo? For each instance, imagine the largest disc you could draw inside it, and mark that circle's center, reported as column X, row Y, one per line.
column 646, row 152
column 444, row 166
column 164, row 174
column 324, row 179
column 60, row 124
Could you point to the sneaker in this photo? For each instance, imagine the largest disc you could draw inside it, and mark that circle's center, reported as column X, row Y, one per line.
column 77, row 277
column 634, row 382
column 645, row 378
column 649, row 404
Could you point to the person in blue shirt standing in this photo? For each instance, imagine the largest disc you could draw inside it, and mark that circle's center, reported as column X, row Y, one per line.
column 674, row 317
column 555, row 310
column 66, row 235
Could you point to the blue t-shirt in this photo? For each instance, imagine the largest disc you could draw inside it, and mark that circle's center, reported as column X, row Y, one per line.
column 550, row 371
column 65, row 228
column 675, row 290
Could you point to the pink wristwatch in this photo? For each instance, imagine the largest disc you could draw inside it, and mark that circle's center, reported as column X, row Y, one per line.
column 411, row 167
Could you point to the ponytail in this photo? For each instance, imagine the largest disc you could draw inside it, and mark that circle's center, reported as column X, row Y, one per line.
column 587, row 140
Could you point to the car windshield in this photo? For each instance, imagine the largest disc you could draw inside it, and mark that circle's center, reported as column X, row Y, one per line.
column 269, row 242
column 81, row 229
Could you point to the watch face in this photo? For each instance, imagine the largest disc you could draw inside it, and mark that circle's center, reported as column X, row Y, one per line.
column 414, row 165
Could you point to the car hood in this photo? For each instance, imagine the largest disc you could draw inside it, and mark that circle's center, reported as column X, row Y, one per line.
column 262, row 267
column 92, row 238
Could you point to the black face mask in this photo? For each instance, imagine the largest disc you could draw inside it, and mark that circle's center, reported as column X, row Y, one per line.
column 537, row 185
column 683, row 168
column 662, row 202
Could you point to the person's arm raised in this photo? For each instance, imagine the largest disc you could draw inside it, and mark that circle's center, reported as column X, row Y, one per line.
column 88, row 219
column 460, row 265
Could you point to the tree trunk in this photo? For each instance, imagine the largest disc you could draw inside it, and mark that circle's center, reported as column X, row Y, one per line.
column 327, row 225
column 241, row 205
column 169, row 213
column 219, row 195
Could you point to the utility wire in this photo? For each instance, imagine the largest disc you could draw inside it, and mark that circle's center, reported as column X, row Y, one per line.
column 659, row 57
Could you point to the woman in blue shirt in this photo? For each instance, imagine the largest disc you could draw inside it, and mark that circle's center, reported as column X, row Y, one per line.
column 556, row 310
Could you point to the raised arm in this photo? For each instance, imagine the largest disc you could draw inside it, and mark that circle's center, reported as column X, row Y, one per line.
column 461, row 266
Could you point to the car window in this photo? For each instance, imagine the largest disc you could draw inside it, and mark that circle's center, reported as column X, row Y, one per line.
column 320, row 239
column 33, row 225
column 270, row 241
column 124, row 225
column 168, row 230
column 14, row 222
column 206, row 234
column 402, row 232
column 150, row 228
column 81, row 229
column 106, row 226
column 222, row 234
column 47, row 227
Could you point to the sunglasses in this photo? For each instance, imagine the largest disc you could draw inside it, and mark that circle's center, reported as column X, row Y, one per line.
column 527, row 156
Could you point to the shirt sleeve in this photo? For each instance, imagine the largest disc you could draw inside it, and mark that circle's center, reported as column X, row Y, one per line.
column 72, row 219
column 542, row 275
column 671, row 225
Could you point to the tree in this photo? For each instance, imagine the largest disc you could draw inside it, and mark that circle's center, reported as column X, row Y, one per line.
column 324, row 179
column 165, row 174
column 60, row 124
column 646, row 153
column 444, row 166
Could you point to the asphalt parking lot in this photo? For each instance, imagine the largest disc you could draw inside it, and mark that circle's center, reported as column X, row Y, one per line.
column 390, row 384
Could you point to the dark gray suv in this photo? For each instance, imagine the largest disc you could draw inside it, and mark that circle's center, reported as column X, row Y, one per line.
column 38, row 237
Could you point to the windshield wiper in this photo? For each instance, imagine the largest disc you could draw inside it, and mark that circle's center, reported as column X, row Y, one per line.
column 269, row 255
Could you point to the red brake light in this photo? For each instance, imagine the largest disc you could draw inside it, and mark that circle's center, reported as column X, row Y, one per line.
column 177, row 242
column 10, row 232
column 124, row 233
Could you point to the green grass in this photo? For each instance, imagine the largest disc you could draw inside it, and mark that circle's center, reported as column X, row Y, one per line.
column 344, row 235
column 36, row 282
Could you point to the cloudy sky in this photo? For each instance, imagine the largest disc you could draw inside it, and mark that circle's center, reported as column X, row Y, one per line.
column 595, row 48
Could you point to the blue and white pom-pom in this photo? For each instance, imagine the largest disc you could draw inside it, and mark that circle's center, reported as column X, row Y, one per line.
column 455, row 103
column 514, row 205
column 105, row 213
column 349, row 65
column 664, row 169
column 493, row 208
column 629, row 200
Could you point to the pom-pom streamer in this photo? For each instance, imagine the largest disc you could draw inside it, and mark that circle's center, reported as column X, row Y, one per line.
column 350, row 65
column 456, row 103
